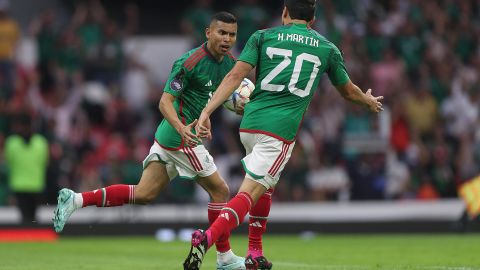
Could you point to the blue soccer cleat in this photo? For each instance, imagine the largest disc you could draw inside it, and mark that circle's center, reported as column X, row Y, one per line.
column 237, row 264
column 64, row 210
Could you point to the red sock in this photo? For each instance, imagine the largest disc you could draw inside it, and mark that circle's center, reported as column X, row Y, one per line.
column 223, row 244
column 114, row 195
column 258, row 224
column 230, row 217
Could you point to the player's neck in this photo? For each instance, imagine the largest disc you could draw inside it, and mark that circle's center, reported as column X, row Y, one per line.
column 218, row 57
column 295, row 21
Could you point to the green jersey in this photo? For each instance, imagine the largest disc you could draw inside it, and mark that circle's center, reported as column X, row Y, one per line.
column 194, row 78
column 290, row 60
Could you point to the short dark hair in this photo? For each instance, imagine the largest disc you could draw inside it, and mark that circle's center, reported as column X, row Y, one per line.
column 301, row 9
column 224, row 16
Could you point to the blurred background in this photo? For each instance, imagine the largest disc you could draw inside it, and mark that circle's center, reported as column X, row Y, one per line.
column 88, row 76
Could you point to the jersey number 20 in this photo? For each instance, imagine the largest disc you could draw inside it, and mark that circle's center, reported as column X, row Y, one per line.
column 287, row 54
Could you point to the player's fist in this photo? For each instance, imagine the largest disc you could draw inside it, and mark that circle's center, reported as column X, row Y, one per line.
column 240, row 107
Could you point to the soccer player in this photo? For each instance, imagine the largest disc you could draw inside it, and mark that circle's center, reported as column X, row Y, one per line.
column 289, row 61
column 176, row 149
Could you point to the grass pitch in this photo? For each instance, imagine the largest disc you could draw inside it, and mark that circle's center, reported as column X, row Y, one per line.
column 323, row 252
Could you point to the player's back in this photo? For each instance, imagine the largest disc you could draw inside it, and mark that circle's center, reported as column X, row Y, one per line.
column 290, row 60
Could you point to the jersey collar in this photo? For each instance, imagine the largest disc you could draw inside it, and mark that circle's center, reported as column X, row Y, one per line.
column 298, row 24
column 209, row 54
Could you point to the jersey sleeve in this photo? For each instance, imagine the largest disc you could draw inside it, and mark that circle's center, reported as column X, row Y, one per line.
column 337, row 73
column 250, row 52
column 178, row 79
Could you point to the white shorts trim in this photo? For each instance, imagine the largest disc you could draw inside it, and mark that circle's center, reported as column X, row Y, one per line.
column 186, row 162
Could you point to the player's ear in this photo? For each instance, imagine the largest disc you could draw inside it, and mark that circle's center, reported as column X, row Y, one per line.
column 284, row 14
column 207, row 32
column 310, row 23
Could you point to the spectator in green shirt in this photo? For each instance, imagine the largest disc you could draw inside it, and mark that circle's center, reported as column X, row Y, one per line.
column 251, row 16
column 26, row 156
column 196, row 19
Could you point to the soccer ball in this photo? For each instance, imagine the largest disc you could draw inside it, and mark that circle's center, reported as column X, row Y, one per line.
column 240, row 95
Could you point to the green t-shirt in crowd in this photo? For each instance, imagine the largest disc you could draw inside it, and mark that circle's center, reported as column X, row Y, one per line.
column 27, row 163
column 199, row 19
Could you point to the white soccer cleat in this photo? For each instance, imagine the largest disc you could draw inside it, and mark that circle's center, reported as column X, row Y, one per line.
column 237, row 263
column 64, row 210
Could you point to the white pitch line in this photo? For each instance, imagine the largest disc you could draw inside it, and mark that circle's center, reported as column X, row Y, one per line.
column 294, row 265
column 314, row 266
column 450, row 268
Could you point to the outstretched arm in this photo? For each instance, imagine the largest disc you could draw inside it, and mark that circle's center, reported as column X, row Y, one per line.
column 353, row 93
column 231, row 81
column 168, row 111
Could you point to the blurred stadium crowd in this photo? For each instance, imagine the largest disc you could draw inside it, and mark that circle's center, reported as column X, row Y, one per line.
column 97, row 105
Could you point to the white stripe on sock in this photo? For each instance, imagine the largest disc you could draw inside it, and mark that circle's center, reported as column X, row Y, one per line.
column 78, row 200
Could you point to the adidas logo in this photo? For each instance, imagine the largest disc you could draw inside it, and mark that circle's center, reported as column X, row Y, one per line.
column 225, row 216
column 256, row 224
column 249, row 261
column 209, row 83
